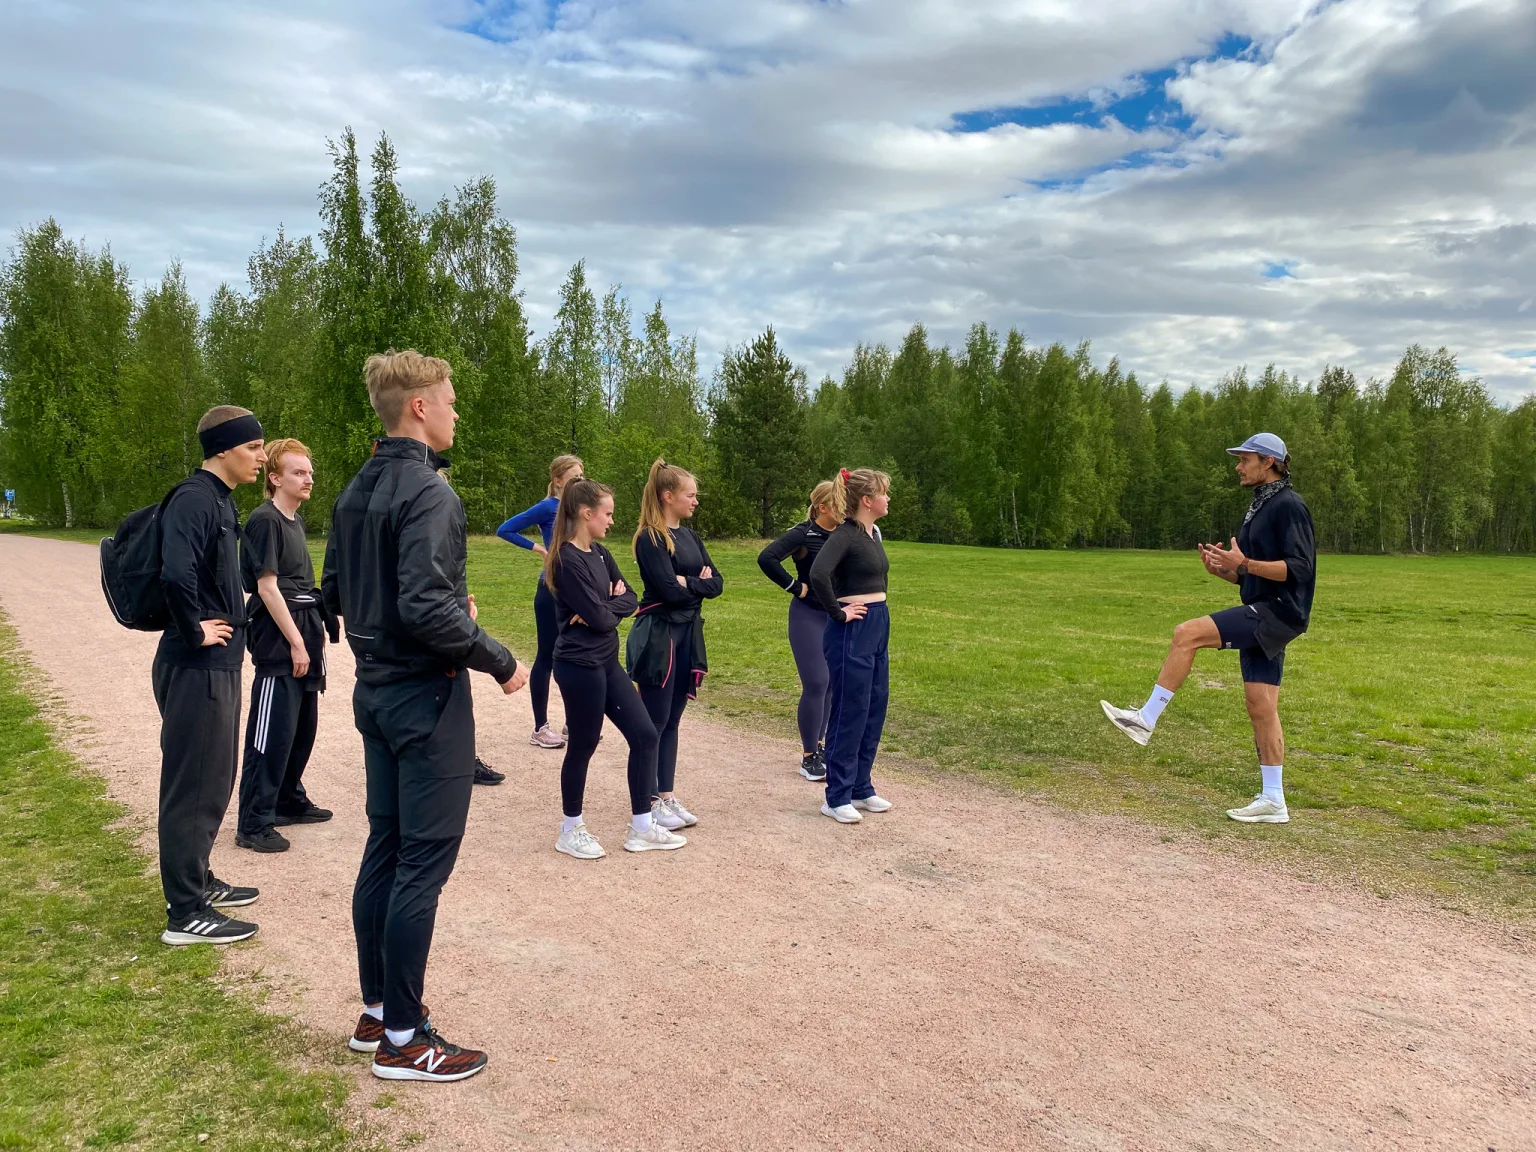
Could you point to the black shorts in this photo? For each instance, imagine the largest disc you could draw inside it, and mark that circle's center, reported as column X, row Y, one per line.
column 1239, row 628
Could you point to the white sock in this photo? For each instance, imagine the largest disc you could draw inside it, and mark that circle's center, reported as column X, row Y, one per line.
column 377, row 1012
column 1155, row 704
column 641, row 822
column 401, row 1037
column 1271, row 775
column 569, row 822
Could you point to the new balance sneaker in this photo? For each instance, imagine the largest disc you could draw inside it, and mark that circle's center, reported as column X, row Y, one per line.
column 222, row 895
column 670, row 813
column 580, row 843
column 426, row 1056
column 485, row 774
column 546, row 737
column 206, row 927
column 813, row 766
column 873, row 804
column 1263, row 810
column 843, row 813
column 269, row 839
column 368, row 1034
column 311, row 813
column 1129, row 721
column 654, row 839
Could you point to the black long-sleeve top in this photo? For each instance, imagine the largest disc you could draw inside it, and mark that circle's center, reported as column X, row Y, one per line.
column 659, row 570
column 582, row 583
column 801, row 544
column 200, row 573
column 1281, row 530
column 850, row 563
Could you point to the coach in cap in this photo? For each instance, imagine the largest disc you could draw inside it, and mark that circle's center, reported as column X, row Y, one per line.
column 1273, row 561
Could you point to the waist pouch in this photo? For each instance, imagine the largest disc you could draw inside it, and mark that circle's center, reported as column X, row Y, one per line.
column 269, row 647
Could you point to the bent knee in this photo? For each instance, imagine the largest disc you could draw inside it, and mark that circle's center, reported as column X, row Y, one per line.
column 1200, row 633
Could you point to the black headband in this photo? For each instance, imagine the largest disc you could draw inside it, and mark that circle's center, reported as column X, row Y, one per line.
column 230, row 434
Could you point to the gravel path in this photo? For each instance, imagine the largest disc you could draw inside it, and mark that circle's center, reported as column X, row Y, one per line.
column 968, row 971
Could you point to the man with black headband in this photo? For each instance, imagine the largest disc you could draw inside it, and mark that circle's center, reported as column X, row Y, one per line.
column 196, row 677
column 1273, row 560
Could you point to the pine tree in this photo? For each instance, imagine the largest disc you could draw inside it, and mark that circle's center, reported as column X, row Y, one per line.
column 758, row 420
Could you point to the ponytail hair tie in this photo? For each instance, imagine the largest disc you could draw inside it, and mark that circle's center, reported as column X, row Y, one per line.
column 843, row 472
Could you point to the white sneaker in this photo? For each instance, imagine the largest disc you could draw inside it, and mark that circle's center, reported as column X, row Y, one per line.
column 873, row 804
column 546, row 737
column 580, row 843
column 1263, row 810
column 653, row 839
column 1129, row 721
column 670, row 812
column 843, row 813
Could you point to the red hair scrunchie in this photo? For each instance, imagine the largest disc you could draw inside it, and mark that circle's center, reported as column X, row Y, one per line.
column 843, row 472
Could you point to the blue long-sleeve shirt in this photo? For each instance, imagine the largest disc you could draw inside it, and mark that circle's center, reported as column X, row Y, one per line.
column 542, row 514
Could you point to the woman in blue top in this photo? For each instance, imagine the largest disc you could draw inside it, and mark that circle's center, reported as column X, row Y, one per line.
column 562, row 470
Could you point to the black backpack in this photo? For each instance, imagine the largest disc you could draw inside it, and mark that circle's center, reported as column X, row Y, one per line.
column 130, row 569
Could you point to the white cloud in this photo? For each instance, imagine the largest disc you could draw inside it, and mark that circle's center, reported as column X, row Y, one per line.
column 790, row 162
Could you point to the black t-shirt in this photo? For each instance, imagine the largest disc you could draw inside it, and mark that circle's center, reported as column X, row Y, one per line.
column 659, row 570
column 273, row 543
column 582, row 582
column 1281, row 530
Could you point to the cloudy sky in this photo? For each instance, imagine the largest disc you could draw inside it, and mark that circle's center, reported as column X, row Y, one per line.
column 1191, row 184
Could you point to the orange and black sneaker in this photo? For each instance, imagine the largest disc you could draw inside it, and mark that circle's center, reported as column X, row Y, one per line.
column 367, row 1035
column 426, row 1056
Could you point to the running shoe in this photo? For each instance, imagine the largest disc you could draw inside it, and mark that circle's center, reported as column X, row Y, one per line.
column 1129, row 721
column 671, row 813
column 485, row 774
column 546, row 737
column 269, row 839
column 426, row 1056
column 873, row 804
column 368, row 1034
column 843, row 813
column 311, row 813
column 206, row 927
column 222, row 895
column 580, row 843
column 654, row 839
column 813, row 767
column 1263, row 810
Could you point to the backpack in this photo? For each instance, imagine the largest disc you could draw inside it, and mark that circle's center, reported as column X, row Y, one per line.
column 130, row 569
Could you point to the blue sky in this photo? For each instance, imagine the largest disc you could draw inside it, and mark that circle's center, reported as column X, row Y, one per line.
column 1192, row 185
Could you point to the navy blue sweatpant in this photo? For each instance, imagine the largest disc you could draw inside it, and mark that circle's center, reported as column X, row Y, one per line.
column 859, row 663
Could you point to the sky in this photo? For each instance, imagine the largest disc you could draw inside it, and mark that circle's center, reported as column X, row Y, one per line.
column 1192, row 185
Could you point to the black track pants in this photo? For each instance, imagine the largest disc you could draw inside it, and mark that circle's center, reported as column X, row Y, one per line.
column 279, row 736
column 589, row 695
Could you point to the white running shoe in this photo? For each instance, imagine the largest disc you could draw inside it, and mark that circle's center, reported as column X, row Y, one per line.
column 873, row 804
column 1129, row 721
column 1263, row 810
column 843, row 813
column 580, row 843
column 546, row 737
column 653, row 839
column 673, row 814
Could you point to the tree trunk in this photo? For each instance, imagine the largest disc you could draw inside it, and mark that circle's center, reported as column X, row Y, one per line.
column 69, row 510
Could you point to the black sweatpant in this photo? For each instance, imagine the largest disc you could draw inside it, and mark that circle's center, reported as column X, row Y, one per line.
column 199, row 744
column 279, row 736
column 589, row 695
column 548, row 627
column 664, row 703
column 419, row 756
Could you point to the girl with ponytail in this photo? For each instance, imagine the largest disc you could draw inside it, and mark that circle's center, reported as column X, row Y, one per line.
column 849, row 580
column 562, row 470
column 807, row 620
column 666, row 646
column 590, row 600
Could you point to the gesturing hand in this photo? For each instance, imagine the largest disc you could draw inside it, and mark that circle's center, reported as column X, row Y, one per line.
column 216, row 632
column 1231, row 557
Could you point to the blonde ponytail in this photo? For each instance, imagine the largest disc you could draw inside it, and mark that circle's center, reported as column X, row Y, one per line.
column 663, row 477
column 558, row 467
column 826, row 494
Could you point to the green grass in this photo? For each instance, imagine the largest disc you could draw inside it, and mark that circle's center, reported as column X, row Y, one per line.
column 1410, row 707
column 113, row 1040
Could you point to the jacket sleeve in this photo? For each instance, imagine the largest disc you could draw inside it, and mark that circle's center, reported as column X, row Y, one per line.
column 1297, row 547
column 659, row 572
column 623, row 605
column 428, row 603
column 185, row 527
column 512, row 530
column 712, row 587
column 330, row 581
column 827, row 560
column 771, row 559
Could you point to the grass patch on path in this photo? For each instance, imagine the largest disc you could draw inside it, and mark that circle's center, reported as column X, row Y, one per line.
column 113, row 1040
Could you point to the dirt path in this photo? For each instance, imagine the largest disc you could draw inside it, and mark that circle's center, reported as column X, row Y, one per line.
column 968, row 971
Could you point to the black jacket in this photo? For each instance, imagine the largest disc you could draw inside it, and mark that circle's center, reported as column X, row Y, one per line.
column 801, row 544
column 200, row 572
column 394, row 570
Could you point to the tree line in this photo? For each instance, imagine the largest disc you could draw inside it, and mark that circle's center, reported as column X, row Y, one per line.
column 997, row 442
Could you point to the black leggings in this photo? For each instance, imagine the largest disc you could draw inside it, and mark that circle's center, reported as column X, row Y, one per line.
column 589, row 695
column 807, row 628
column 543, row 664
column 665, row 704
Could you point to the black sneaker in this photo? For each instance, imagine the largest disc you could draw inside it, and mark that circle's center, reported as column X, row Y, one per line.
column 269, row 839
column 485, row 774
column 813, row 767
column 426, row 1056
column 222, row 895
column 310, row 814
column 206, row 927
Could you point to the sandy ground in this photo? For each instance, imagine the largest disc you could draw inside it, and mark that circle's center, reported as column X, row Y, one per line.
column 967, row 971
